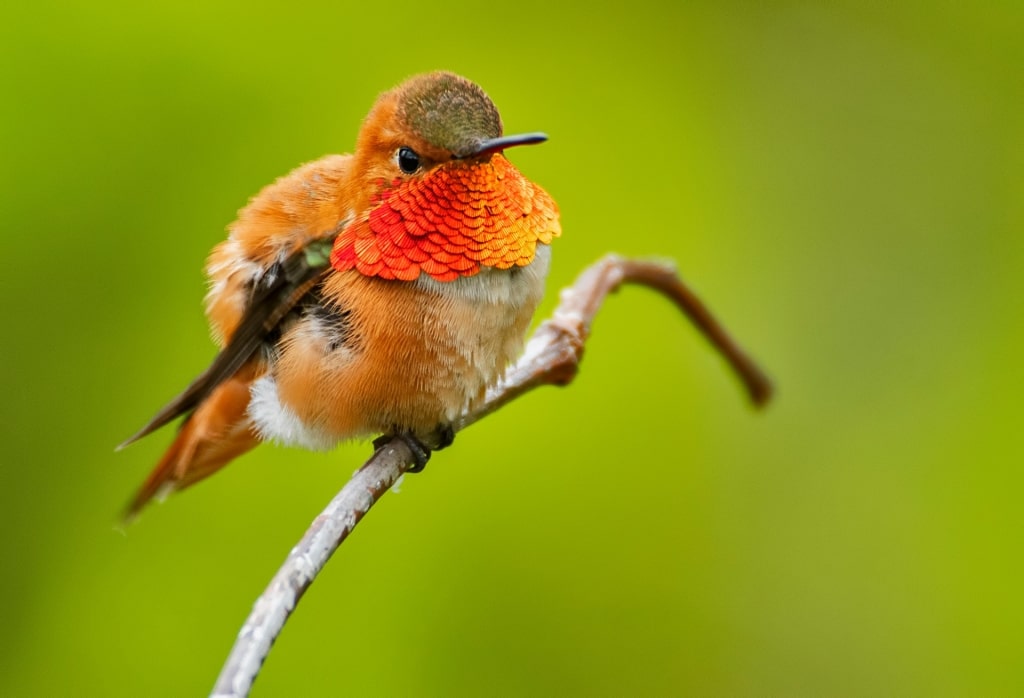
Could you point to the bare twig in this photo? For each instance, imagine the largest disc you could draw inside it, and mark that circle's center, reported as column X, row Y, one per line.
column 552, row 357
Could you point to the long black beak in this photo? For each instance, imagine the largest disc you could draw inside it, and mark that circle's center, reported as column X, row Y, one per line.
column 494, row 145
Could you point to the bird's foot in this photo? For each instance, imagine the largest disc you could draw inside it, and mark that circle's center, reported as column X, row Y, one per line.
column 445, row 436
column 442, row 437
column 420, row 453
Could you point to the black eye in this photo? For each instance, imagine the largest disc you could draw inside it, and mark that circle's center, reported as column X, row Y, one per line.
column 408, row 160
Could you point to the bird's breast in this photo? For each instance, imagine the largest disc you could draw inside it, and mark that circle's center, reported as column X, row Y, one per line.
column 372, row 355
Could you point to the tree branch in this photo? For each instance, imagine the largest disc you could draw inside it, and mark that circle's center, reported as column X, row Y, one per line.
column 552, row 357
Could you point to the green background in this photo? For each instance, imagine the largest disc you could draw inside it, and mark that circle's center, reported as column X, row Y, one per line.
column 842, row 182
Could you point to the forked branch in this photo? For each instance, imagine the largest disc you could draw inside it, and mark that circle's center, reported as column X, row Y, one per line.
column 552, row 357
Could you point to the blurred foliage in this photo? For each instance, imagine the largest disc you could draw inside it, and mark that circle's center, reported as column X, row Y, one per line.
column 843, row 182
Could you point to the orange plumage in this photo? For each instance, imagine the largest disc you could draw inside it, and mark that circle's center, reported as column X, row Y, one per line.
column 375, row 293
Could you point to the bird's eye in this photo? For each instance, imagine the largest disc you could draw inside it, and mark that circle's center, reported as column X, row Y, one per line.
column 408, row 160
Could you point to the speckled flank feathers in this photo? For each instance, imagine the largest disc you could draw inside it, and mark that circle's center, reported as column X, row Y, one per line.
column 449, row 223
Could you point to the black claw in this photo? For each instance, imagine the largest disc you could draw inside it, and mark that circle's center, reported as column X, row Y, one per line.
column 445, row 436
column 420, row 453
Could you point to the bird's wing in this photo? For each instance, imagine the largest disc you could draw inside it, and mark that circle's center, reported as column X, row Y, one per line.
column 276, row 294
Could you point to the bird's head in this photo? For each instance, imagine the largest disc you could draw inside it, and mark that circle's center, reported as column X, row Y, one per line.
column 440, row 197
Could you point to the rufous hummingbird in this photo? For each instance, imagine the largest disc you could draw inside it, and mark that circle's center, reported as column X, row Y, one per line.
column 380, row 292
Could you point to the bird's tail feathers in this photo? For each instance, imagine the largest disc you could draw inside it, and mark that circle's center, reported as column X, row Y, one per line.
column 217, row 432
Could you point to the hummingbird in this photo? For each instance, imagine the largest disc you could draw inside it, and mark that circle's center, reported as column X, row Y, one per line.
column 374, row 293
